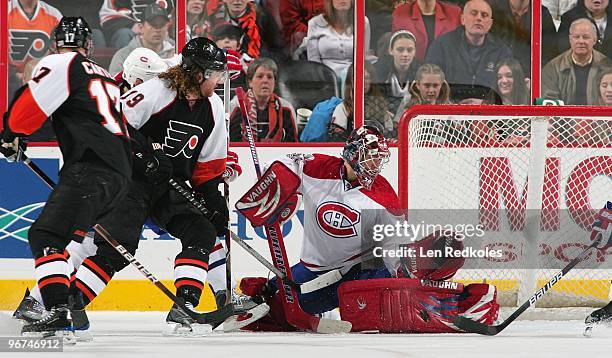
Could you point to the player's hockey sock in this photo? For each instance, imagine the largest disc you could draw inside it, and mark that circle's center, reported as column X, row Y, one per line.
column 52, row 273
column 190, row 271
column 216, row 267
column 92, row 277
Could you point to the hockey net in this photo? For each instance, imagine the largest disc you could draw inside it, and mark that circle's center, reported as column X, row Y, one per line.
column 470, row 165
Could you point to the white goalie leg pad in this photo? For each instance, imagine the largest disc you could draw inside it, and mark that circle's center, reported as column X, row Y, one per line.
column 235, row 323
column 194, row 330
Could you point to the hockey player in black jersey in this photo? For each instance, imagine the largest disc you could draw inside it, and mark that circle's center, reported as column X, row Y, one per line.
column 180, row 111
column 81, row 98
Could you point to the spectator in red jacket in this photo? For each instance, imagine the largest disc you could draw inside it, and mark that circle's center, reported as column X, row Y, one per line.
column 295, row 15
column 427, row 20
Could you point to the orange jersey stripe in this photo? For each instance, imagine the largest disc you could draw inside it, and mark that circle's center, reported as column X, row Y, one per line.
column 44, row 282
column 92, row 265
column 90, row 295
column 204, row 172
column 44, row 259
column 26, row 116
column 184, row 282
column 199, row 263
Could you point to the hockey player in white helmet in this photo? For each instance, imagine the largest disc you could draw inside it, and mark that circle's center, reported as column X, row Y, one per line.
column 140, row 66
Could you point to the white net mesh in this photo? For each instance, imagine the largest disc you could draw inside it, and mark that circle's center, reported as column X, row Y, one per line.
column 474, row 169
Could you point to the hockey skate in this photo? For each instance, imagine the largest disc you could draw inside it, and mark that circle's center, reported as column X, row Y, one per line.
column 249, row 310
column 56, row 322
column 178, row 323
column 602, row 316
column 80, row 321
column 29, row 310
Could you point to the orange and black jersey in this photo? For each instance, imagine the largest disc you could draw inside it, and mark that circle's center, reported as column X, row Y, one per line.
column 82, row 100
column 195, row 137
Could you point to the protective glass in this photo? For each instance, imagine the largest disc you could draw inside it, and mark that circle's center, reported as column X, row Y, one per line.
column 217, row 76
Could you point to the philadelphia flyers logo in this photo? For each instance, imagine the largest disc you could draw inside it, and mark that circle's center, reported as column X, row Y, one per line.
column 181, row 138
column 33, row 43
column 338, row 220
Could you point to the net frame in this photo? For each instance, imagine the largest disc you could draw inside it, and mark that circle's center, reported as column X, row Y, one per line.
column 538, row 141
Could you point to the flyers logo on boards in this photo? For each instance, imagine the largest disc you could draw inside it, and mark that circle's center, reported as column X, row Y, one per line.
column 338, row 220
column 24, row 43
column 181, row 138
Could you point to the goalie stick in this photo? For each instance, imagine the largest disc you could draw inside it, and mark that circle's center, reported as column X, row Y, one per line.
column 228, row 241
column 306, row 287
column 294, row 314
column 213, row 318
column 470, row 325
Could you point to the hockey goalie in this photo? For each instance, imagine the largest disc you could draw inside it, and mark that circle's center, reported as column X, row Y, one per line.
column 343, row 199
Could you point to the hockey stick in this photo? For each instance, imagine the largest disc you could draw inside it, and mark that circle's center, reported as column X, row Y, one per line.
column 293, row 312
column 470, row 325
column 306, row 287
column 228, row 241
column 212, row 318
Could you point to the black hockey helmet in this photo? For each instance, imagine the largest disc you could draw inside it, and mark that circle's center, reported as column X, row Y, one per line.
column 73, row 32
column 201, row 54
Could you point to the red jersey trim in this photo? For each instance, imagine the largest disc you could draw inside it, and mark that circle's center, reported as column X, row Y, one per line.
column 382, row 193
column 204, row 172
column 26, row 116
column 323, row 167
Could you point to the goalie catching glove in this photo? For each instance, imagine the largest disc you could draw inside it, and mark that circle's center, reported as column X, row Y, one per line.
column 274, row 198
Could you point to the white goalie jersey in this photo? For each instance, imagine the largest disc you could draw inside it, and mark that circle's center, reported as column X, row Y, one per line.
column 338, row 215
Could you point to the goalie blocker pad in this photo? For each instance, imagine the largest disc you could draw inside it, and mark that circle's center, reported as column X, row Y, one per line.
column 273, row 198
column 396, row 305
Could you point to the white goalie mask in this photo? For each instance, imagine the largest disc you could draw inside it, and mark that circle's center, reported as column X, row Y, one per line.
column 142, row 64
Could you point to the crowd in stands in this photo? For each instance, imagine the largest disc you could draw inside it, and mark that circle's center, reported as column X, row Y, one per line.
column 416, row 51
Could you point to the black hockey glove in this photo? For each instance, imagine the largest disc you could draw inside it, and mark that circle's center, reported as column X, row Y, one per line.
column 11, row 146
column 152, row 164
column 215, row 203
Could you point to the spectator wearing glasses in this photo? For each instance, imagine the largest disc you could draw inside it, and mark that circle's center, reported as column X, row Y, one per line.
column 571, row 75
column 597, row 11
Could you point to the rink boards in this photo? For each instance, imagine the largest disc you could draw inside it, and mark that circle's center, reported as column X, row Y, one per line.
column 22, row 196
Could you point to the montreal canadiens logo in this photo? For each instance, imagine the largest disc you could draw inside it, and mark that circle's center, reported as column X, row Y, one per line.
column 338, row 220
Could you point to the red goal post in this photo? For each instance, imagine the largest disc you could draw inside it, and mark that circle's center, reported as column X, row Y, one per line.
column 471, row 164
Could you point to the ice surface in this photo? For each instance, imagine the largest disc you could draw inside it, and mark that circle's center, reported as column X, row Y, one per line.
column 138, row 334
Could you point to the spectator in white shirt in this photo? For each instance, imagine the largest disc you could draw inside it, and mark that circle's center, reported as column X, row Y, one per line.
column 330, row 36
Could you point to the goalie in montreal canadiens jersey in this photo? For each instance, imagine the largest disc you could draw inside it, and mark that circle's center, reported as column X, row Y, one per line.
column 343, row 198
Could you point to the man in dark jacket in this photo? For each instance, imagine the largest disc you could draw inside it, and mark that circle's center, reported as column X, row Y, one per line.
column 599, row 13
column 468, row 54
